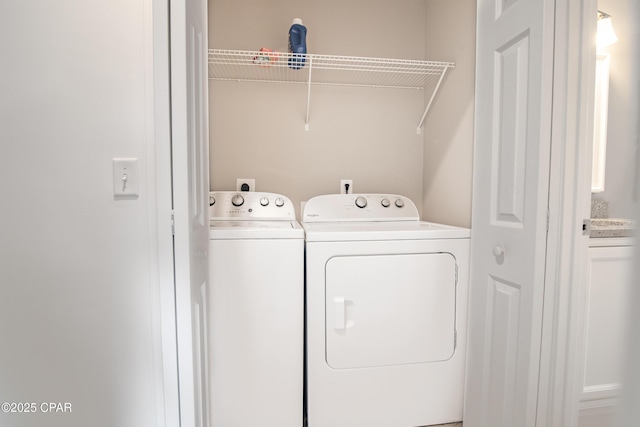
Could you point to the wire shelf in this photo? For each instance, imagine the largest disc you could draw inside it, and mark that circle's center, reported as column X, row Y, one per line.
column 310, row 69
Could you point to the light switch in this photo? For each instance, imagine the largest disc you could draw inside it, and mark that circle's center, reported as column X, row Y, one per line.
column 125, row 177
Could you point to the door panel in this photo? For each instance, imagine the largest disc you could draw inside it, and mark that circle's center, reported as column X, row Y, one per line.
column 197, row 131
column 189, row 151
column 503, row 317
column 514, row 67
column 510, row 98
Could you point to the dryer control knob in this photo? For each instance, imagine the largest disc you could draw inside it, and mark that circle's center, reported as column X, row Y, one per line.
column 279, row 202
column 237, row 200
column 385, row 203
column 264, row 201
column 361, row 202
column 400, row 203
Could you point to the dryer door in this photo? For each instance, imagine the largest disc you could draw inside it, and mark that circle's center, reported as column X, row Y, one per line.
column 384, row 310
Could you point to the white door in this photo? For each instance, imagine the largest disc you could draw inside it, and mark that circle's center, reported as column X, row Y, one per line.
column 511, row 185
column 190, row 169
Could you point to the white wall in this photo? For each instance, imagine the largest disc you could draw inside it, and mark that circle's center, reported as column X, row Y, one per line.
column 630, row 410
column 78, row 292
column 622, row 174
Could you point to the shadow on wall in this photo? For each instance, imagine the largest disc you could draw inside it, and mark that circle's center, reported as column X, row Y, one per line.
column 448, row 140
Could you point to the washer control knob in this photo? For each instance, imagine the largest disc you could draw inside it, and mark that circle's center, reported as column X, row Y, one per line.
column 361, row 202
column 385, row 203
column 279, row 202
column 399, row 203
column 237, row 200
column 212, row 200
column 264, row 201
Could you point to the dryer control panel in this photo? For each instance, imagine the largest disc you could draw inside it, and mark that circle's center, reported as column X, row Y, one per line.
column 251, row 206
column 360, row 207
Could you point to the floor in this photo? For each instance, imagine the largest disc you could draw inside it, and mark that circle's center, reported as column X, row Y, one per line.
column 448, row 425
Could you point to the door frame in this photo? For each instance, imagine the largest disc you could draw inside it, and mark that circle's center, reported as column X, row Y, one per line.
column 561, row 355
column 178, row 356
column 562, row 350
column 164, row 214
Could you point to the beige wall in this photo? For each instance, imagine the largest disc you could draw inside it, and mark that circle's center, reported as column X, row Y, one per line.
column 448, row 142
column 368, row 135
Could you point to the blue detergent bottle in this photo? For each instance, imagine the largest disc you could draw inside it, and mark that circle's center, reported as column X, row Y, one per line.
column 297, row 44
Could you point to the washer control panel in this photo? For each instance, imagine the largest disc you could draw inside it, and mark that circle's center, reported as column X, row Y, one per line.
column 225, row 205
column 360, row 207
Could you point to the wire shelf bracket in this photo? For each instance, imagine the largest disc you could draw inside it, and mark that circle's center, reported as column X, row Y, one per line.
column 267, row 66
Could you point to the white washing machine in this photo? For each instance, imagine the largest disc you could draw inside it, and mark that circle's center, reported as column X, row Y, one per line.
column 386, row 299
column 256, row 326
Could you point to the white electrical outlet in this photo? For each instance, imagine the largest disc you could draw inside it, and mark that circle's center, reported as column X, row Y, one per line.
column 346, row 186
column 245, row 184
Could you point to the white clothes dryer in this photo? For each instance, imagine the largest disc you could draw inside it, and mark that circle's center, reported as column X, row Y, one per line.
column 386, row 301
column 256, row 326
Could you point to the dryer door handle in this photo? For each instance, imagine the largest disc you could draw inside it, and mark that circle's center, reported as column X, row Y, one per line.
column 341, row 314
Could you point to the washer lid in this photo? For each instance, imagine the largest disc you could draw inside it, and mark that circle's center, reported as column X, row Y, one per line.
column 381, row 230
column 255, row 230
